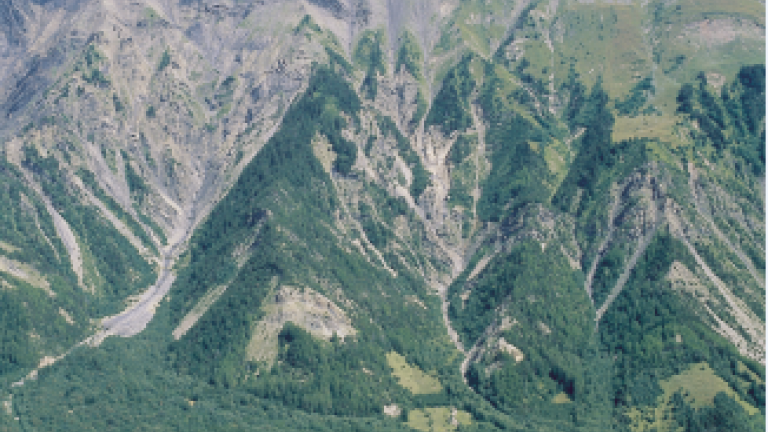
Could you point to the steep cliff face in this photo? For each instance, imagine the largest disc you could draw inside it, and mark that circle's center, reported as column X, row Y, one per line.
column 551, row 207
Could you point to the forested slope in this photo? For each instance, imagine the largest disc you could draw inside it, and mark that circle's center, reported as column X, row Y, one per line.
column 429, row 215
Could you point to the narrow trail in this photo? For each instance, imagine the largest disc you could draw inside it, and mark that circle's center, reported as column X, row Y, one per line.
column 476, row 351
column 478, row 348
column 641, row 247
column 602, row 248
column 568, row 141
column 444, row 304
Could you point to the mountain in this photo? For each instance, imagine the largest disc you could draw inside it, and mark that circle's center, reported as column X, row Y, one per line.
column 357, row 214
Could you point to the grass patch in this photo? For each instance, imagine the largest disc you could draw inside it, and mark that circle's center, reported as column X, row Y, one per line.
column 645, row 126
column 698, row 384
column 561, row 398
column 8, row 247
column 411, row 377
column 684, row 53
column 557, row 156
column 436, row 419
column 686, row 11
column 540, row 58
column 701, row 384
column 151, row 15
column 607, row 41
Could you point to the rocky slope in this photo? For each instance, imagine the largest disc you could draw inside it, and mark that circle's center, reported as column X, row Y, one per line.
column 486, row 187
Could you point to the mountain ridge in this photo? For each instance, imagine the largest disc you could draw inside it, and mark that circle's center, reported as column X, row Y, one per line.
column 411, row 182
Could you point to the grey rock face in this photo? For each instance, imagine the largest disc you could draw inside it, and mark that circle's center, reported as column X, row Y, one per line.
column 166, row 102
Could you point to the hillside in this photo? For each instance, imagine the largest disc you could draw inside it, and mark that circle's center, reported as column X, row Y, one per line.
column 353, row 214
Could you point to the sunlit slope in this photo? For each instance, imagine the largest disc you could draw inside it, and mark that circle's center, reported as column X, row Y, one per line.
column 475, row 215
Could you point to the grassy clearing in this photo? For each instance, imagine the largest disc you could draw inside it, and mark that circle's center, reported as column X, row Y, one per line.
column 694, row 10
column 696, row 35
column 411, row 377
column 436, row 419
column 8, row 247
column 537, row 52
column 150, row 14
column 687, row 52
column 613, row 41
column 698, row 384
column 557, row 156
column 607, row 41
column 645, row 126
column 561, row 398
column 701, row 385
